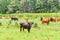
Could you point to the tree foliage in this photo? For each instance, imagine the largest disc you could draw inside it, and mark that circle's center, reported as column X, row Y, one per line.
column 29, row 6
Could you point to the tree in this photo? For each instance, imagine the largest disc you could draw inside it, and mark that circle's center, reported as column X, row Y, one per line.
column 3, row 5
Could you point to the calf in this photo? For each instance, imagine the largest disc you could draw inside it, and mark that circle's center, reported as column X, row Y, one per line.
column 26, row 26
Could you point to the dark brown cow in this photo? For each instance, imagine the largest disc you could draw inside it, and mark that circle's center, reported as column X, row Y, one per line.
column 26, row 26
column 14, row 18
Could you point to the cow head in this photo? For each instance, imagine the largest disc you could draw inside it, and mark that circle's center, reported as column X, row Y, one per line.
column 30, row 23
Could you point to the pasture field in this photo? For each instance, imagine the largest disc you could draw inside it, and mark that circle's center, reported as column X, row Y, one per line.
column 41, row 32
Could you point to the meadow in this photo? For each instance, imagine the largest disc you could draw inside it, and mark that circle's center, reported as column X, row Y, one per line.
column 40, row 32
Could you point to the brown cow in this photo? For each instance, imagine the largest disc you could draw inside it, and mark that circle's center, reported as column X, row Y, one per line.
column 45, row 20
column 58, row 19
column 53, row 19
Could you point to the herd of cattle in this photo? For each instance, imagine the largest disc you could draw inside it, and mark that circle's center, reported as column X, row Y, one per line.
column 27, row 25
column 53, row 19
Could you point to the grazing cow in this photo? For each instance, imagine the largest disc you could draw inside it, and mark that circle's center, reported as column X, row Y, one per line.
column 45, row 20
column 53, row 19
column 26, row 26
column 15, row 19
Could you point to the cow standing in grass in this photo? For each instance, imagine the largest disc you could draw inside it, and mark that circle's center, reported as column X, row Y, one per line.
column 53, row 19
column 26, row 25
column 45, row 20
column 15, row 19
column 58, row 19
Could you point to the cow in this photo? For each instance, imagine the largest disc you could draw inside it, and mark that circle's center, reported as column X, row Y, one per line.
column 44, row 20
column 58, row 19
column 53, row 19
column 27, row 26
column 15, row 19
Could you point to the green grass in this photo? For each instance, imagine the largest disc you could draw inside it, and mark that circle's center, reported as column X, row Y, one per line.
column 44, row 32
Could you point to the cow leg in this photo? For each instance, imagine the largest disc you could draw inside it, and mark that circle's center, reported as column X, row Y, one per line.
column 23, row 29
column 42, row 22
column 29, row 30
column 20, row 28
column 47, row 23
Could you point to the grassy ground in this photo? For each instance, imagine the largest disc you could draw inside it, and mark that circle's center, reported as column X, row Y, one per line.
column 41, row 32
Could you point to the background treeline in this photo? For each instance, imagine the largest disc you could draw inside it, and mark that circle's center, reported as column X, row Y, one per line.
column 29, row 6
